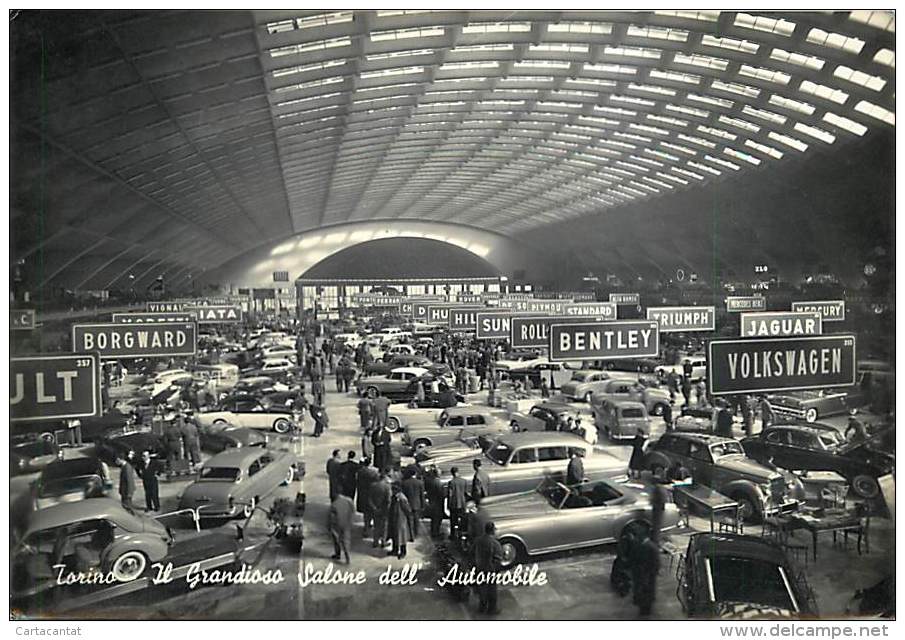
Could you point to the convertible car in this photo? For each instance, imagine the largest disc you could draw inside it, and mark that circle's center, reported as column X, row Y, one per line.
column 252, row 415
column 555, row 517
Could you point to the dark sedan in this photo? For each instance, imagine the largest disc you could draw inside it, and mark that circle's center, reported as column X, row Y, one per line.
column 217, row 440
column 128, row 446
column 32, row 455
column 69, row 481
column 820, row 447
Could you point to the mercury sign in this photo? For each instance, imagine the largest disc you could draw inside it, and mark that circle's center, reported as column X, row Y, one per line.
column 144, row 318
column 745, row 303
column 21, row 319
column 782, row 323
column 136, row 340
column 604, row 340
column 599, row 310
column 218, row 314
column 54, row 387
column 830, row 310
column 759, row 365
column 676, row 319
column 625, row 298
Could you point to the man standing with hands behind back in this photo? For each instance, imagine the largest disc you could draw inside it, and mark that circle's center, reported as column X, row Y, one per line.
column 457, row 498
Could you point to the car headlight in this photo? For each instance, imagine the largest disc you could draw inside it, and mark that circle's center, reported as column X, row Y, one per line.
column 471, row 507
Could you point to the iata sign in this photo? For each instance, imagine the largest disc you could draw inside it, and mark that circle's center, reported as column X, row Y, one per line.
column 745, row 303
column 780, row 324
column 759, row 365
column 676, row 319
column 604, row 340
column 625, row 298
column 218, row 314
column 136, row 340
column 54, row 387
column 167, row 307
column 144, row 318
column 830, row 310
column 599, row 310
column 21, row 319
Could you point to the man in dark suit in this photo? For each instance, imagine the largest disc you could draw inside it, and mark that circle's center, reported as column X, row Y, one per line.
column 433, row 489
column 480, row 483
column 367, row 476
column 334, row 465
column 457, row 498
column 488, row 556
column 348, row 476
column 380, row 495
column 148, row 470
column 575, row 470
column 340, row 525
column 127, row 483
column 413, row 488
column 381, row 440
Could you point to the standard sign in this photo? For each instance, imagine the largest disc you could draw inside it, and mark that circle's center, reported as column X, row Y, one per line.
column 54, row 387
column 136, row 340
column 781, row 323
column 780, row 364
column 602, row 340
column 21, row 319
column 625, row 298
column 830, row 310
column 745, row 303
column 144, row 318
column 599, row 310
column 676, row 319
column 534, row 331
column 167, row 307
column 218, row 314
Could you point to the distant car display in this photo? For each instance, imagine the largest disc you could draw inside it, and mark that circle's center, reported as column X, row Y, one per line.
column 31, row 455
column 621, row 419
column 544, row 416
column 396, row 384
column 655, row 400
column 217, row 439
column 449, row 423
column 585, row 382
column 822, row 403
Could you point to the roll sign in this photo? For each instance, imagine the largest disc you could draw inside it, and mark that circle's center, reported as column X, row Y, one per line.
column 603, row 340
column 136, row 340
column 830, row 310
column 677, row 319
column 760, row 365
column 54, row 387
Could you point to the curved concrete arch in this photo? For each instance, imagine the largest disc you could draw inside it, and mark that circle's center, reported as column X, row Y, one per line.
column 299, row 253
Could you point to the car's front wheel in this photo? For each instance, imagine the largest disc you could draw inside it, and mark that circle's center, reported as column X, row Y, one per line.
column 747, row 509
column 290, row 476
column 810, row 415
column 658, row 409
column 282, row 425
column 513, row 552
column 129, row 566
column 587, row 397
column 392, row 425
column 865, row 486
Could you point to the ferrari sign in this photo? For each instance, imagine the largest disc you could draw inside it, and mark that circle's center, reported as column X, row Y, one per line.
column 219, row 314
column 144, row 318
column 676, row 319
column 746, row 303
column 599, row 310
column 136, row 340
column 830, row 310
column 780, row 364
column 21, row 319
column 781, row 323
column 54, row 387
column 602, row 340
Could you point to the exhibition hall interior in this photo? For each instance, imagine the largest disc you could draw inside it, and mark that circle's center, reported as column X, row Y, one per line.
column 404, row 314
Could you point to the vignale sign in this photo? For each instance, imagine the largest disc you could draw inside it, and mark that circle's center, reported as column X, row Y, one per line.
column 602, row 340
column 829, row 310
column 781, row 323
column 136, row 340
column 54, row 387
column 167, row 307
column 759, row 365
column 676, row 319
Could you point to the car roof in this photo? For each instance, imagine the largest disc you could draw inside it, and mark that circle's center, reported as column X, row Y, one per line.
column 75, row 512
column 706, row 438
column 541, row 438
column 627, row 404
column 803, row 426
column 234, row 458
column 458, row 411
column 730, row 544
column 555, row 407
column 418, row 371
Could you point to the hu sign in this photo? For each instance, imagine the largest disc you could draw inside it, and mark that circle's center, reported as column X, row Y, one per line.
column 54, row 387
column 220, row 314
column 136, row 340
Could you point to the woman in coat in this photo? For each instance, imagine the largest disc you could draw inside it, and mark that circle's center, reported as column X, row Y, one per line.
column 636, row 462
column 400, row 516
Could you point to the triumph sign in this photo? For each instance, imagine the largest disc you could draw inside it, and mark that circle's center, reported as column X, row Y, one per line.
column 781, row 323
column 54, row 387
column 604, row 340
column 761, row 365
column 677, row 319
column 136, row 340
column 830, row 310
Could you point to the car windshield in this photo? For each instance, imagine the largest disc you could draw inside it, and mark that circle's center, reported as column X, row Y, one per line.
column 220, row 473
column 632, row 412
column 39, row 448
column 580, row 376
column 499, row 452
column 728, row 448
column 749, row 580
column 485, row 442
column 77, row 484
column 554, row 493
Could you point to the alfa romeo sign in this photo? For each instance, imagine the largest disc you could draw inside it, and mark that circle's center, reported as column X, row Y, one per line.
column 136, row 340
column 603, row 340
column 760, row 365
column 54, row 387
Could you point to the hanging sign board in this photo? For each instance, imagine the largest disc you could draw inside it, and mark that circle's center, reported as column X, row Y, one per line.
column 21, row 319
column 167, row 307
column 625, row 298
column 492, row 325
column 604, row 340
column 54, row 387
column 144, row 318
column 745, row 303
column 600, row 310
column 219, row 314
column 465, row 319
column 780, row 324
column 678, row 319
column 136, row 340
column 830, row 310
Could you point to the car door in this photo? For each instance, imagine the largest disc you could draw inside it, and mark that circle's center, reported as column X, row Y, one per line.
column 776, row 447
column 590, row 520
column 522, row 472
column 804, row 452
column 555, row 460
column 700, row 463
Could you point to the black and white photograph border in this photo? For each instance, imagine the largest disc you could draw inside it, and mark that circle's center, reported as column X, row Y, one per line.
column 453, row 314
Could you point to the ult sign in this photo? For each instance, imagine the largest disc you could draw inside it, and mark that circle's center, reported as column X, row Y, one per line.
column 54, row 387
column 745, row 303
column 678, row 319
column 136, row 340
column 830, row 310
column 759, row 365
column 780, row 324
column 603, row 340
column 219, row 314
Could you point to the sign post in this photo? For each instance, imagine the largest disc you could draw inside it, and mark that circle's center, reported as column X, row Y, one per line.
column 604, row 340
column 54, row 387
column 136, row 340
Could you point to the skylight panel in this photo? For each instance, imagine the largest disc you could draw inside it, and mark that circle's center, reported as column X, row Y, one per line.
column 765, row 74
column 483, row 47
column 679, row 148
column 704, row 16
column 631, row 165
column 402, row 34
column 885, row 20
column 810, row 62
column 675, row 76
column 317, row 45
column 770, row 151
column 844, row 123
column 676, row 179
column 627, row 136
column 633, row 52
column 580, row 27
column 822, row 91
column 604, row 121
column 769, row 116
column 667, row 120
column 657, row 33
column 548, row 64
column 395, row 71
column 789, row 141
column 744, row 46
column 609, row 68
column 641, row 185
column 574, row 93
column 765, row 24
column 599, row 82
column 687, row 173
column 653, row 163
column 652, row 88
column 519, row 78
column 723, row 162
column 633, row 100
column 835, row 41
column 561, row 105
column 696, row 60
column 741, row 155
column 309, row 85
column 814, row 132
column 475, row 64
column 875, row 111
column 319, row 20
column 886, row 57
column 559, row 47
column 688, row 111
column 659, row 183
column 793, row 105
column 321, row 96
column 711, row 100
column 317, row 66
column 734, row 87
column 701, row 142
column 741, row 124
column 704, row 167
column 399, row 54
column 860, row 78
column 497, row 27
column 719, row 133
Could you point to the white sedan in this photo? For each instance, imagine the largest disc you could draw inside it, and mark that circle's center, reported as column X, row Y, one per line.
column 251, row 416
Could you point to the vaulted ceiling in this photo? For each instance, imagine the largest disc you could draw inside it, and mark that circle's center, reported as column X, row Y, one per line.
column 169, row 142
